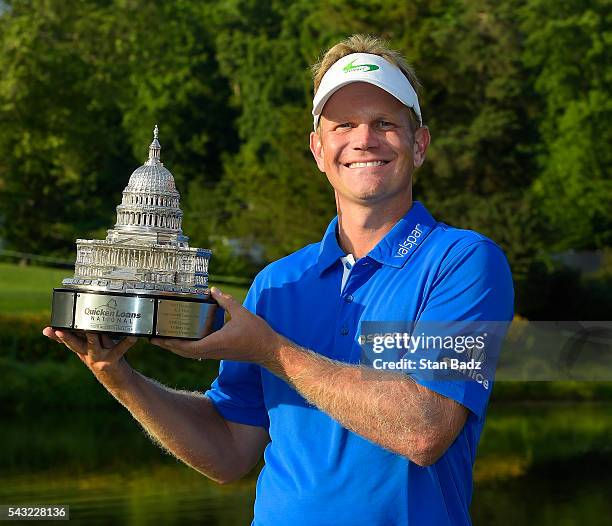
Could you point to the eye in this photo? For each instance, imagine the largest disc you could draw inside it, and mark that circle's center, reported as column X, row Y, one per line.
column 384, row 125
column 344, row 125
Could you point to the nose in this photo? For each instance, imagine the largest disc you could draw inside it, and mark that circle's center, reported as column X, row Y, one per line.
column 364, row 137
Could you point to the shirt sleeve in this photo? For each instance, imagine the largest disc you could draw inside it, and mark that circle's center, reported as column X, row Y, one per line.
column 237, row 392
column 474, row 292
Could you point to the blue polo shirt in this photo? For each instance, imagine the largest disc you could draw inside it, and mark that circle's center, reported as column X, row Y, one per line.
column 317, row 472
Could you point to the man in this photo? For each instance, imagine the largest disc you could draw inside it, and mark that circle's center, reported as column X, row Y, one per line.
column 343, row 443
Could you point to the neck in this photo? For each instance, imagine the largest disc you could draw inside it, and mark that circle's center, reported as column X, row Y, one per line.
column 360, row 227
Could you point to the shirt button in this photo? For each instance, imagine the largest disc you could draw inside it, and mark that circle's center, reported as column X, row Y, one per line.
column 348, row 298
column 347, row 265
column 344, row 331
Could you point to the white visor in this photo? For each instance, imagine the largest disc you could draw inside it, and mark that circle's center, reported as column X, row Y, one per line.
column 364, row 67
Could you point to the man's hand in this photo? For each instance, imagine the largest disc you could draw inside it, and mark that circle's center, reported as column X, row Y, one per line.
column 244, row 338
column 97, row 351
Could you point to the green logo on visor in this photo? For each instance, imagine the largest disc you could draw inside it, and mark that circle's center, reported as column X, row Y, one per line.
column 359, row 67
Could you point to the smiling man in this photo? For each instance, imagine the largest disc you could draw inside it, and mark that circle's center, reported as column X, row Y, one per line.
column 343, row 443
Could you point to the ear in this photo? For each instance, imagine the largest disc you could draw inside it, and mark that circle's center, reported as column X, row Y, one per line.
column 317, row 150
column 421, row 143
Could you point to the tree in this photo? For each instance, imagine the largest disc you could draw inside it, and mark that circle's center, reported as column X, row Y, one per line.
column 273, row 196
column 567, row 51
column 83, row 84
column 56, row 109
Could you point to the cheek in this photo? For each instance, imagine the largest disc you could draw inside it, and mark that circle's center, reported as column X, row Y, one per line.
column 329, row 163
column 333, row 149
column 404, row 149
column 400, row 141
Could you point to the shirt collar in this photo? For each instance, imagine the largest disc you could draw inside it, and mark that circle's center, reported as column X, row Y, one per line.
column 403, row 240
column 394, row 249
column 329, row 250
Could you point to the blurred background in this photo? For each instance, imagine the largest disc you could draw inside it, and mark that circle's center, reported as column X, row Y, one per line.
column 517, row 97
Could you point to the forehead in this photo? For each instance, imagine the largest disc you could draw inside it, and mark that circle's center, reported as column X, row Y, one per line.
column 361, row 99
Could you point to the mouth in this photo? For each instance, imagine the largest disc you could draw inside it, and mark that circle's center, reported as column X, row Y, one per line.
column 367, row 164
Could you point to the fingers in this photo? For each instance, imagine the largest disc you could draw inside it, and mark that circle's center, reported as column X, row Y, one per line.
column 49, row 332
column 90, row 343
column 93, row 342
column 72, row 341
column 98, row 353
column 121, row 348
column 213, row 342
column 225, row 300
column 107, row 341
column 52, row 334
column 185, row 348
column 198, row 349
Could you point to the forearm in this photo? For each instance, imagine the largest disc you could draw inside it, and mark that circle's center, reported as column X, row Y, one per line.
column 386, row 408
column 185, row 424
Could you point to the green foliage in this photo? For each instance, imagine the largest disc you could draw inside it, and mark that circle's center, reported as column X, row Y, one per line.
column 559, row 391
column 554, row 292
column 56, row 108
column 83, row 84
column 272, row 194
column 567, row 50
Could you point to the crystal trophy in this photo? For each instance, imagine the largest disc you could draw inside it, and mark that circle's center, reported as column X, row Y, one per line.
column 143, row 279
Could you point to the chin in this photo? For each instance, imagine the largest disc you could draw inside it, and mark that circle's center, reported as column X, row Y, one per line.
column 370, row 197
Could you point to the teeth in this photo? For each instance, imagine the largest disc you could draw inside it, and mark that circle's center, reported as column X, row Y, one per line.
column 364, row 165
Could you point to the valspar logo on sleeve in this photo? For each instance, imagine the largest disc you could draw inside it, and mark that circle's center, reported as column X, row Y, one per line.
column 410, row 242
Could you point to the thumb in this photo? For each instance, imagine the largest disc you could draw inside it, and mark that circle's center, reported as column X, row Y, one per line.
column 224, row 300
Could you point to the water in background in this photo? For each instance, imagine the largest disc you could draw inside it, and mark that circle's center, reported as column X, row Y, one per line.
column 537, row 464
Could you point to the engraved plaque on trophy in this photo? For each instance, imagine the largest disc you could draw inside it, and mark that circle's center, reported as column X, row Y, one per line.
column 143, row 279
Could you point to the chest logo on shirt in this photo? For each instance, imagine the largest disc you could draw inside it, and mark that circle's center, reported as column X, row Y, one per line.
column 410, row 242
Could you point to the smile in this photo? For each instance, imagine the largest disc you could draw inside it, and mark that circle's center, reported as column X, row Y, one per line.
column 366, row 164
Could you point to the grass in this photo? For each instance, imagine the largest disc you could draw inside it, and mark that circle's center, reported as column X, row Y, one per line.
column 28, row 289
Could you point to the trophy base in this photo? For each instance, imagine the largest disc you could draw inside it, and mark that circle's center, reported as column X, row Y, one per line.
column 149, row 315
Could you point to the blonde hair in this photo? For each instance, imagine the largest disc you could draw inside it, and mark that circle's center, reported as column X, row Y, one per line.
column 374, row 46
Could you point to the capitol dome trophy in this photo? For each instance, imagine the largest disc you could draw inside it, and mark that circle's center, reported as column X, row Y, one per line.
column 143, row 279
